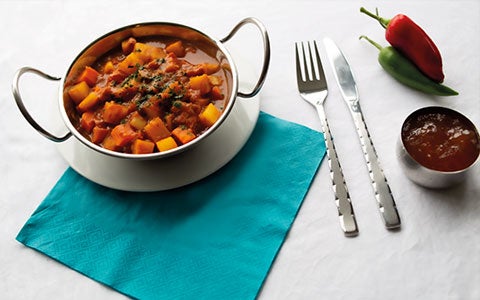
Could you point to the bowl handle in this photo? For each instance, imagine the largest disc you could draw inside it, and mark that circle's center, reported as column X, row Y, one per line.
column 266, row 52
column 23, row 110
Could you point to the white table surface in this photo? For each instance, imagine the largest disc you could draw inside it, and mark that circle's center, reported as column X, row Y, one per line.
column 435, row 255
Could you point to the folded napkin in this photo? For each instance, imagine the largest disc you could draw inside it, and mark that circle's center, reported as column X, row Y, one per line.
column 213, row 239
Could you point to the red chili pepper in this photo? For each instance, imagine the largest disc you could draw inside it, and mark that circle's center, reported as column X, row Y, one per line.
column 412, row 41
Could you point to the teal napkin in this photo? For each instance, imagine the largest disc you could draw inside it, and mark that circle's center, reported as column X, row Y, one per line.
column 213, row 239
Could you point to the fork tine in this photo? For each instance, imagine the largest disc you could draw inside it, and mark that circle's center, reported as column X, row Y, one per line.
column 305, row 67
column 313, row 74
column 321, row 73
column 309, row 58
column 310, row 73
column 297, row 61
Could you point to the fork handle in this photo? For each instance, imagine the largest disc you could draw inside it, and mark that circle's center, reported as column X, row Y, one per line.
column 346, row 214
column 383, row 194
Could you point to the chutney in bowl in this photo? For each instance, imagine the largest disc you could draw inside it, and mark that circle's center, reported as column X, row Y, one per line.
column 437, row 146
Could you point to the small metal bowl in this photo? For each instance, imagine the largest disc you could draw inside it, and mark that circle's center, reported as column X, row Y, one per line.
column 437, row 147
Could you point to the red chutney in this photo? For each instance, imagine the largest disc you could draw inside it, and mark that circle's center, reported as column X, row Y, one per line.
column 148, row 96
column 441, row 139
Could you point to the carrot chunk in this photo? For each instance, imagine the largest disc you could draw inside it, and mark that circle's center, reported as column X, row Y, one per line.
column 183, row 134
column 216, row 93
column 87, row 121
column 156, row 130
column 89, row 75
column 99, row 134
column 113, row 112
column 142, row 147
column 123, row 134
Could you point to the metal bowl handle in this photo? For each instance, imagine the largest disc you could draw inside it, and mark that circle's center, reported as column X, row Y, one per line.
column 23, row 110
column 266, row 53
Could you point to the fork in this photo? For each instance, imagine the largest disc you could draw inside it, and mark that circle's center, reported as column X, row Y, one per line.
column 313, row 88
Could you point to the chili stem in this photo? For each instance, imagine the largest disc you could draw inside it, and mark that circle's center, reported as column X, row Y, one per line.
column 371, row 42
column 384, row 22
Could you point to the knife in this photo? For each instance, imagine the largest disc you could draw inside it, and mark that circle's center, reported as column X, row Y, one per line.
column 348, row 88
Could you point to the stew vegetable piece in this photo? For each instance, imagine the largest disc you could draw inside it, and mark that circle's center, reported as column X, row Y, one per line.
column 148, row 96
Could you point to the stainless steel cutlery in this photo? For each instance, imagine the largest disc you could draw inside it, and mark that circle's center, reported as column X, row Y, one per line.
column 313, row 88
column 348, row 88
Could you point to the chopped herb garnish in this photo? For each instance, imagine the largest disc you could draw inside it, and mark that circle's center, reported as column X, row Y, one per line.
column 157, row 77
column 178, row 96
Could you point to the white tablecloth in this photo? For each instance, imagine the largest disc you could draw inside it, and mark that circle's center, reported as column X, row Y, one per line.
column 435, row 255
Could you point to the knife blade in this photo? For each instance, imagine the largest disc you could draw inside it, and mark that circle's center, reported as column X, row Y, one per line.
column 348, row 88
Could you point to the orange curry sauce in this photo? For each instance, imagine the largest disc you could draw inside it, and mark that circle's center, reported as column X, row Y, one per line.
column 148, row 96
column 441, row 139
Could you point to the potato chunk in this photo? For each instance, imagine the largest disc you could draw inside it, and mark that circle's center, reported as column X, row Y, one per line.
column 177, row 48
column 166, row 144
column 201, row 83
column 79, row 91
column 89, row 102
column 210, row 115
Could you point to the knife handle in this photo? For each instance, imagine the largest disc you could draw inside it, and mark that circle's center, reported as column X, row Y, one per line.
column 383, row 194
column 346, row 214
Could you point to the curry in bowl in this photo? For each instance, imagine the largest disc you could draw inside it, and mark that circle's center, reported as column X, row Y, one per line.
column 148, row 91
column 148, row 95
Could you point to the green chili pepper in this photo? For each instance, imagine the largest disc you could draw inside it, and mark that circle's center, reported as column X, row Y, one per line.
column 403, row 70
